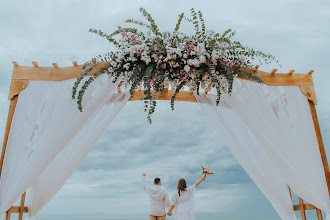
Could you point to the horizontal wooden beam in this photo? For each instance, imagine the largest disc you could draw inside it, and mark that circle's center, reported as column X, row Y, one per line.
column 167, row 95
column 64, row 73
column 16, row 209
column 306, row 207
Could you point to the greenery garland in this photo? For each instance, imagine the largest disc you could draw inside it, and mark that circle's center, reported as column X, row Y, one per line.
column 153, row 60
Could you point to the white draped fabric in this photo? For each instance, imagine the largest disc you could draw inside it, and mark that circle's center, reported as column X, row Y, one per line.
column 49, row 137
column 271, row 133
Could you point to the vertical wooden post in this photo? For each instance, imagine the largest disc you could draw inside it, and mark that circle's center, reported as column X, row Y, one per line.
column 321, row 145
column 302, row 209
column 319, row 214
column 12, row 107
column 21, row 208
column 8, row 215
column 290, row 192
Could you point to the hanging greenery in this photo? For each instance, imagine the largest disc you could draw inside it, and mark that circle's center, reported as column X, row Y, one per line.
column 153, row 60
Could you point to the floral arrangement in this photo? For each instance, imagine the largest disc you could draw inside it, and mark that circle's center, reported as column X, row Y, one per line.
column 206, row 170
column 153, row 60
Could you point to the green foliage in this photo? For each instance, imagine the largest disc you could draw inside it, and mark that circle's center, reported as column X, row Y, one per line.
column 177, row 26
column 154, row 27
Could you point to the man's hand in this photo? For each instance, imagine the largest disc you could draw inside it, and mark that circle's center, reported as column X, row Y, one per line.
column 169, row 213
column 144, row 174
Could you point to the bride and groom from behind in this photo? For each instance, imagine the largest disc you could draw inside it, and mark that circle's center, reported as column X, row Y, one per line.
column 181, row 204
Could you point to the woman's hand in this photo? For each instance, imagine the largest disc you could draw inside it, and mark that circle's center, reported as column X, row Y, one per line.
column 169, row 213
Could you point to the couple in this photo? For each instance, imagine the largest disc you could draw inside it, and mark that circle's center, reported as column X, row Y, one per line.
column 182, row 200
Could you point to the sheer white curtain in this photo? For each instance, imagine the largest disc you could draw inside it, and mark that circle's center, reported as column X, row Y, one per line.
column 271, row 128
column 66, row 162
column 45, row 130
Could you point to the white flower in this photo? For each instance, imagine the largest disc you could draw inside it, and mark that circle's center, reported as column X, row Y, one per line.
column 187, row 68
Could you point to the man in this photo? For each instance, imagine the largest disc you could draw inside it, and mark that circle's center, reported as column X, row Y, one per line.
column 158, row 199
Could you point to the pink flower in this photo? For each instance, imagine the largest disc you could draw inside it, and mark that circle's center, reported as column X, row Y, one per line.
column 138, row 53
column 173, row 57
column 193, row 70
column 214, row 62
column 175, row 41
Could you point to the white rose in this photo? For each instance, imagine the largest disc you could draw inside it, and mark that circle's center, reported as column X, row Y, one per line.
column 187, row 68
column 202, row 59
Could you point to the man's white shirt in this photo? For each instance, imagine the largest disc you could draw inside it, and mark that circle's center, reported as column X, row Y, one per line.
column 158, row 198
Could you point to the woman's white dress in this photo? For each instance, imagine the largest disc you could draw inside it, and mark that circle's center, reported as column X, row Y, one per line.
column 184, row 204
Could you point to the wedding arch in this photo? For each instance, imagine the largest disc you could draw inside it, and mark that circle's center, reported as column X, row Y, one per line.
column 41, row 127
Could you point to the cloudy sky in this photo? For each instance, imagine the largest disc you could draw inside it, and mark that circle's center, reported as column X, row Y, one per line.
column 106, row 185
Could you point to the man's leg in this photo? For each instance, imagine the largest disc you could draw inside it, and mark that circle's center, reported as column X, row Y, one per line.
column 161, row 217
column 151, row 217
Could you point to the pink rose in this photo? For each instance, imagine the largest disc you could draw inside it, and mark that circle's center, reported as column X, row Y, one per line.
column 138, row 53
column 173, row 57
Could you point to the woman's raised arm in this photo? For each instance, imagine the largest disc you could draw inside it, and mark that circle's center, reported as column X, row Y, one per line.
column 201, row 180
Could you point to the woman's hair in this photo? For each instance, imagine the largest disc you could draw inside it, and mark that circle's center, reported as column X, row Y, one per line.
column 182, row 185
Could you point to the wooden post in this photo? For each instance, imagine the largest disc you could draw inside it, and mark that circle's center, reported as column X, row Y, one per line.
column 319, row 214
column 302, row 209
column 21, row 208
column 321, row 145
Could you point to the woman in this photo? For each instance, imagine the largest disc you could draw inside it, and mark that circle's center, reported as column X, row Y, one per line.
column 183, row 200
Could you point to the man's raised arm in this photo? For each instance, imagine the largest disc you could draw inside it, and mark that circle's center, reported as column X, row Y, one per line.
column 143, row 181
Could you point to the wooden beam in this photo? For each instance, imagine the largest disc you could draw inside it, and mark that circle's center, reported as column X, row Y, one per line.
column 306, row 207
column 181, row 96
column 55, row 65
column 64, row 73
column 309, row 92
column 15, row 63
column 12, row 107
column 302, row 209
column 16, row 209
column 8, row 215
column 310, row 72
column 21, row 209
column 290, row 72
column 74, row 63
column 319, row 214
column 35, row 64
column 16, row 87
column 321, row 145
column 290, row 193
column 273, row 71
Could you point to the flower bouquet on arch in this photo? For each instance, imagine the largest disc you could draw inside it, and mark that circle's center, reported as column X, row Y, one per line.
column 206, row 170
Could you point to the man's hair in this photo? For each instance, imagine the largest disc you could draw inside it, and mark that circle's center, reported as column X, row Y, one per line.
column 157, row 180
